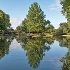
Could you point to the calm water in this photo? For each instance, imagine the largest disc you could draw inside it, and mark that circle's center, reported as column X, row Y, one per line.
column 19, row 53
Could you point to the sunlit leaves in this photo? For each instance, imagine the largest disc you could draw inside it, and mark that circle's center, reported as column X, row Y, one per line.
column 4, row 21
column 35, row 19
column 66, row 8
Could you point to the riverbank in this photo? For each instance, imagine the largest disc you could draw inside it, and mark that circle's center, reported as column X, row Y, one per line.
column 34, row 35
column 66, row 35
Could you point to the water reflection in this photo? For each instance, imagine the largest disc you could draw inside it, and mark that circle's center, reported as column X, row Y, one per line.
column 4, row 45
column 35, row 50
column 65, row 42
column 66, row 61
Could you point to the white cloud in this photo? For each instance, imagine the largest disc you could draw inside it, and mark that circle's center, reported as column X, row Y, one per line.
column 15, row 22
column 55, row 6
column 14, row 46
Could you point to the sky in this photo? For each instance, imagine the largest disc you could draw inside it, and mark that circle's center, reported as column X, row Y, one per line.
column 18, row 9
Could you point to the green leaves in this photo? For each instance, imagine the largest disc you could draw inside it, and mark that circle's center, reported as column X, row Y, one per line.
column 35, row 48
column 4, row 20
column 34, row 21
column 49, row 28
column 66, row 8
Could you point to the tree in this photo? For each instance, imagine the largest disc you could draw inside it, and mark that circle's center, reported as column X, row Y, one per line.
column 18, row 29
column 48, row 22
column 64, row 27
column 23, row 25
column 7, row 21
column 4, row 20
column 35, row 19
column 66, row 8
column 49, row 28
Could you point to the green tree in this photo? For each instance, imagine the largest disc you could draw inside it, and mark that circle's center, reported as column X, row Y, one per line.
column 66, row 8
column 4, row 21
column 23, row 25
column 49, row 28
column 48, row 22
column 35, row 20
column 7, row 21
column 63, row 29
column 18, row 29
column 66, row 11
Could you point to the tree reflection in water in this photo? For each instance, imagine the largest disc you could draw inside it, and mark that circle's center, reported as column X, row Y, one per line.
column 35, row 49
column 65, row 42
column 4, row 45
column 66, row 61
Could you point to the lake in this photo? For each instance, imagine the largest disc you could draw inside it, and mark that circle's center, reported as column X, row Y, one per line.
column 22, row 53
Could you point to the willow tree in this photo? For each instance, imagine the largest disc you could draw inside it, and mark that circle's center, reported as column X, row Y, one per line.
column 35, row 19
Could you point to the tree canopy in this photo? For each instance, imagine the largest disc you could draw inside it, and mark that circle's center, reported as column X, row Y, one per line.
column 66, row 8
column 35, row 19
column 4, row 20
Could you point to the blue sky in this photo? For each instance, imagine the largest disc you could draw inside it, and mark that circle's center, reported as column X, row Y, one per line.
column 18, row 9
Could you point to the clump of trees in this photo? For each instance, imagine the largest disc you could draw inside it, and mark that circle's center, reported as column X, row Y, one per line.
column 5, row 25
column 49, row 28
column 35, row 21
column 65, row 26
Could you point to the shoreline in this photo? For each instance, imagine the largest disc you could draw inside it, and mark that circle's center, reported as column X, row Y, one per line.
column 66, row 35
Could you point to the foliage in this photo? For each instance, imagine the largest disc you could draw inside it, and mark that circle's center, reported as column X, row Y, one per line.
column 63, row 27
column 4, row 46
column 23, row 26
column 35, row 48
column 64, row 41
column 66, row 8
column 35, row 19
column 4, row 21
column 49, row 28
column 66, row 61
